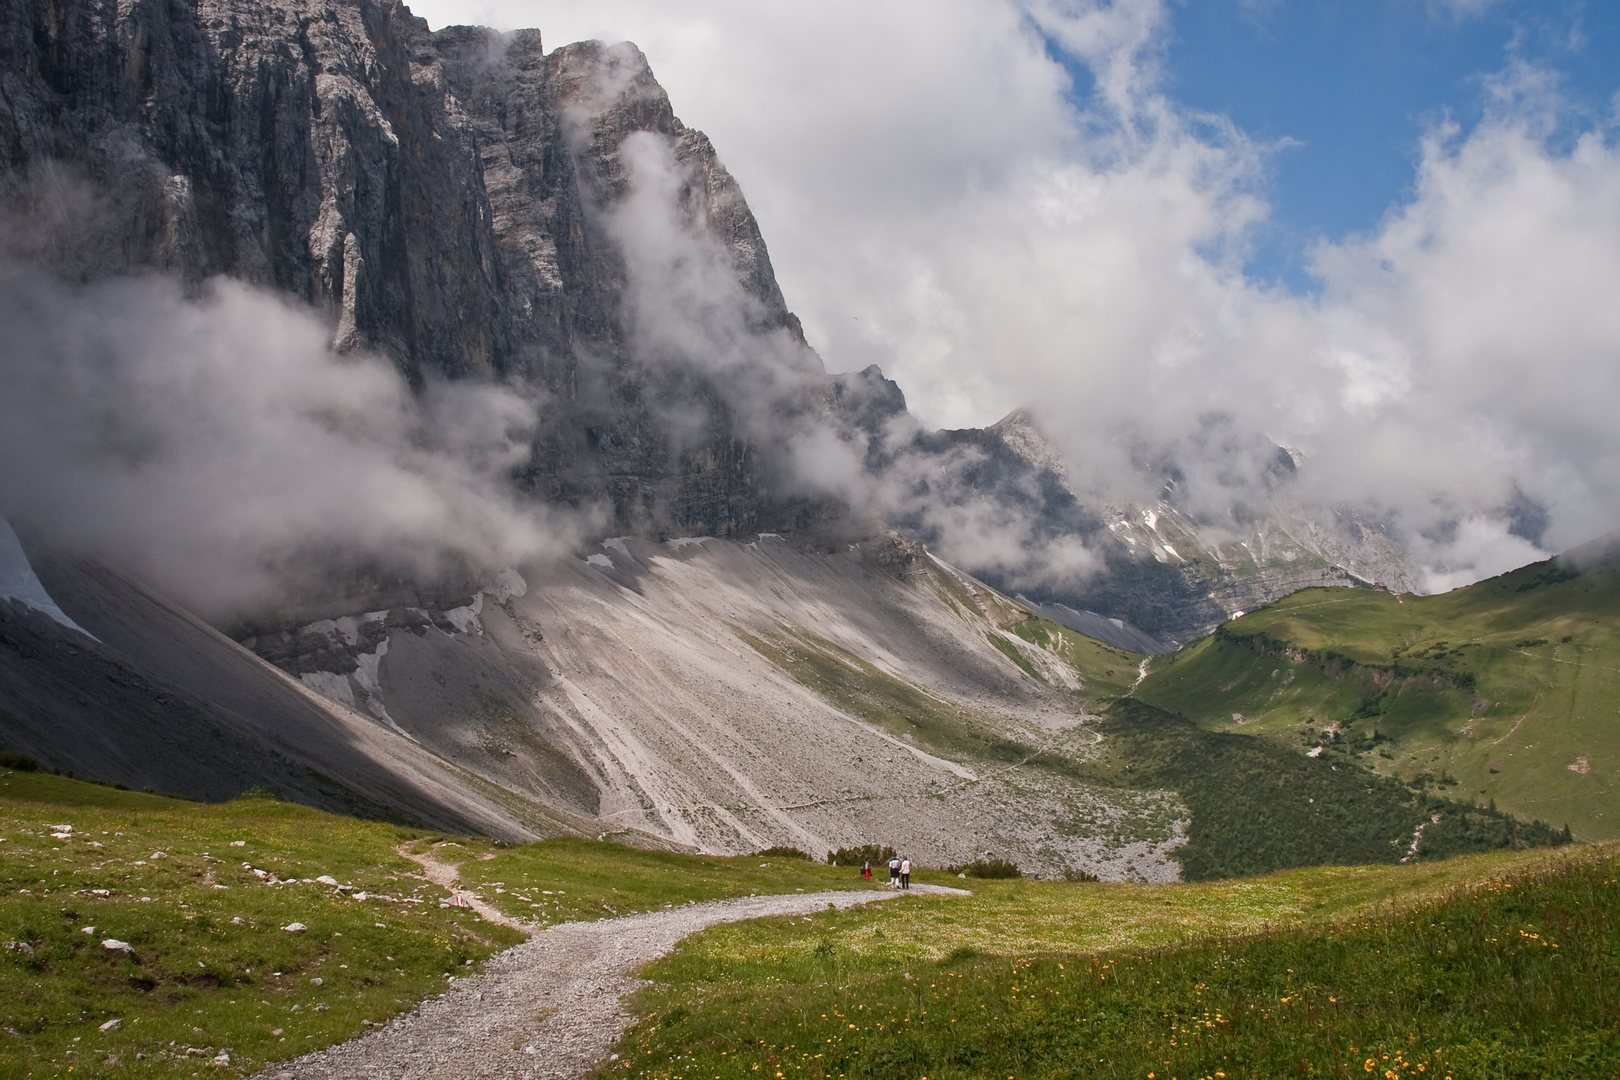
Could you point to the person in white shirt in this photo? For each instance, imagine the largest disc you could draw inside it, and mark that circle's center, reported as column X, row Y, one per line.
column 894, row 872
column 905, row 873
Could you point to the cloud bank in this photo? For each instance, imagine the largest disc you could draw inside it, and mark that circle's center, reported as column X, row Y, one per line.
column 215, row 447
column 942, row 199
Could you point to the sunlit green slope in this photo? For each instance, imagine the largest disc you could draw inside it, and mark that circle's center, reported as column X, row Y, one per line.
column 1507, row 691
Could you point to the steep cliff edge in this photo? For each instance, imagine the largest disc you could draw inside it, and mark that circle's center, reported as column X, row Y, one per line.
column 447, row 199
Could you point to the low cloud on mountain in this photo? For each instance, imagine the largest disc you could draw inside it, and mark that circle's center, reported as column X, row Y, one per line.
column 943, row 199
column 214, row 446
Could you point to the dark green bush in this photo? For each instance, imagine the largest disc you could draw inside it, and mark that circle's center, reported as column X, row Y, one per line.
column 876, row 854
column 781, row 851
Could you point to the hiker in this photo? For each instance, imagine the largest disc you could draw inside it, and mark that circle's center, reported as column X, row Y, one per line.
column 894, row 872
column 866, row 870
column 905, row 873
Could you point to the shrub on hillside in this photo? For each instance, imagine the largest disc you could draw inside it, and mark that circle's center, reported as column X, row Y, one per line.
column 782, row 851
column 13, row 759
column 876, row 854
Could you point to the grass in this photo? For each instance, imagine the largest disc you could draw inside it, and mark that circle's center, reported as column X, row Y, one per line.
column 566, row 880
column 212, row 978
column 210, row 975
column 1506, row 690
column 1500, row 965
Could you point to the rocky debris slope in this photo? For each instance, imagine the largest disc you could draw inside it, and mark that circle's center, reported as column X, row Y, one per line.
column 727, row 697
column 158, row 699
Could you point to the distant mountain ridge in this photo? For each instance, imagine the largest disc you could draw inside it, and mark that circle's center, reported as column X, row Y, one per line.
column 1165, row 577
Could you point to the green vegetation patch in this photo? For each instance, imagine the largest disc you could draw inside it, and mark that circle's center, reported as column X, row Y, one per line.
column 567, row 880
column 201, row 971
column 1257, row 806
column 1509, row 686
column 892, row 704
column 1503, row 973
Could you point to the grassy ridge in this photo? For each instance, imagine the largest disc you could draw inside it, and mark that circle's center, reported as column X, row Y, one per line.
column 1506, row 690
column 1258, row 807
column 1509, row 971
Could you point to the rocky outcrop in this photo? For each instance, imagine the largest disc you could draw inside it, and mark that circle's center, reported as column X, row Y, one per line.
column 445, row 198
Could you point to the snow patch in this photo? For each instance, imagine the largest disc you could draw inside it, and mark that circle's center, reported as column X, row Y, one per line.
column 599, row 560
column 508, row 583
column 368, row 676
column 465, row 618
column 330, row 684
column 19, row 582
column 616, row 543
column 681, row 542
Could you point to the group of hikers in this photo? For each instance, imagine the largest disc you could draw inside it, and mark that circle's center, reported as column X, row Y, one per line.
column 899, row 872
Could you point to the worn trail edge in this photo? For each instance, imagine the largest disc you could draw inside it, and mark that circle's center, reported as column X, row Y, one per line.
column 547, row 1009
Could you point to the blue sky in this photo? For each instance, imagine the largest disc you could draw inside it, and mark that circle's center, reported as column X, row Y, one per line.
column 1352, row 85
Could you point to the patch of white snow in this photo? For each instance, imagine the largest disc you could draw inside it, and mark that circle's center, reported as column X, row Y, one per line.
column 19, row 582
column 508, row 583
column 330, row 684
column 599, row 560
column 465, row 618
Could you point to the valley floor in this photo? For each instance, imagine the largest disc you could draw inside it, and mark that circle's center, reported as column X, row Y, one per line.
column 141, row 936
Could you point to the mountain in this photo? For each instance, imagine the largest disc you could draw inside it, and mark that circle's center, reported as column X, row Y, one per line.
column 445, row 199
column 1143, row 576
column 763, row 653
column 1503, row 692
column 476, row 209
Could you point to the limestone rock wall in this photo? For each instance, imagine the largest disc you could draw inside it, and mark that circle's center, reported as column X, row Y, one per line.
column 440, row 196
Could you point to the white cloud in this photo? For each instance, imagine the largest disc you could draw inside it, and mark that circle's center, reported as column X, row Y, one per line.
column 216, row 448
column 936, row 203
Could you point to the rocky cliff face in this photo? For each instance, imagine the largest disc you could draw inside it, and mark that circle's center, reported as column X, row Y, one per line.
column 447, row 199
column 473, row 207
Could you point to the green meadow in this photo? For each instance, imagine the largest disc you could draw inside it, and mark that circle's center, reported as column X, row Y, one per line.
column 200, row 897
column 1501, row 965
column 1504, row 693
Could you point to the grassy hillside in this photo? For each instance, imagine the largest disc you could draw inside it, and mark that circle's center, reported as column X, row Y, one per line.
column 1256, row 806
column 1509, row 959
column 1501, row 965
column 1506, row 692
column 211, row 977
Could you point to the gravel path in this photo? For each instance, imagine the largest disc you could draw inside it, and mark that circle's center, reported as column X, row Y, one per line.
column 547, row 1009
